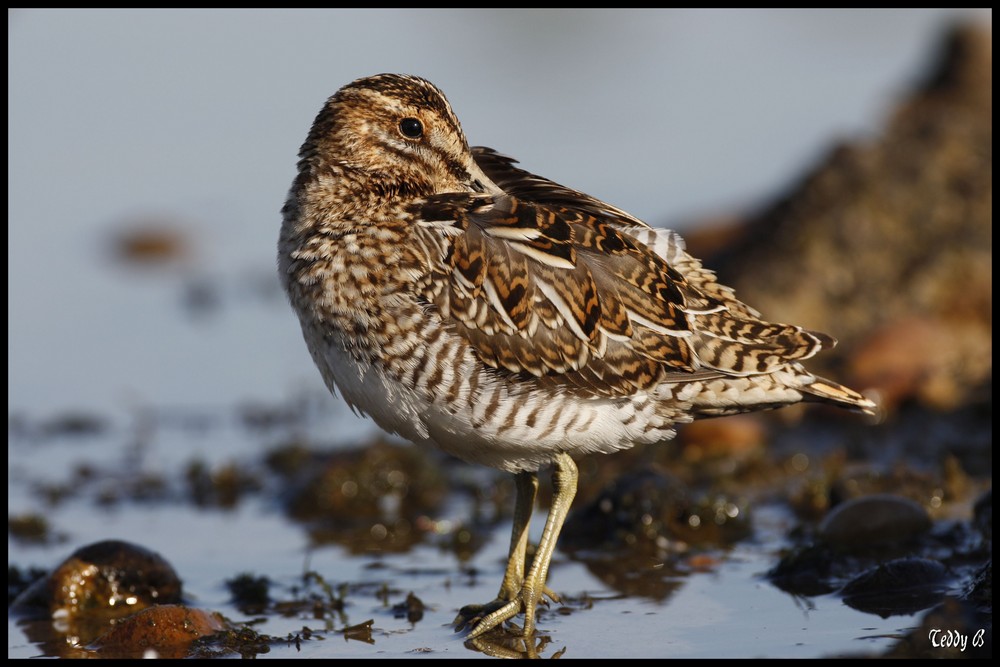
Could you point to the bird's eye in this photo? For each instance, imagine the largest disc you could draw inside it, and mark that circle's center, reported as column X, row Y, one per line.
column 411, row 127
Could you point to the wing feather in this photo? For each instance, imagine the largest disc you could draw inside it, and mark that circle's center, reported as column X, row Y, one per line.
column 547, row 281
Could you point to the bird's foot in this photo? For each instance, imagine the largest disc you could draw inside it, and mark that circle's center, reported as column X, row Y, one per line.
column 481, row 618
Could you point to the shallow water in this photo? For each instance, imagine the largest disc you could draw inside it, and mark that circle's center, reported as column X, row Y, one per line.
column 129, row 366
column 133, row 483
column 728, row 610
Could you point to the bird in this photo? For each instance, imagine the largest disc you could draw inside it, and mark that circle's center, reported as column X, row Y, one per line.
column 467, row 304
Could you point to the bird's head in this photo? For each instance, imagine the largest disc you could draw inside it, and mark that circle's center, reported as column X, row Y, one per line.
column 394, row 131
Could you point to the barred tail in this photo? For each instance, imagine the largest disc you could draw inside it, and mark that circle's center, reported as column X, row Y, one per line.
column 827, row 391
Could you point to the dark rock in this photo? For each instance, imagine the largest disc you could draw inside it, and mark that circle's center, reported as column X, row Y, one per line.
column 899, row 587
column 879, row 519
column 112, row 576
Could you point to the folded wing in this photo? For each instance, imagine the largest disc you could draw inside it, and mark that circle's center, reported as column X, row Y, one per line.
column 547, row 281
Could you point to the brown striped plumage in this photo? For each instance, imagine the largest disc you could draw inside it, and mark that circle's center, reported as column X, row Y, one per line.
column 462, row 301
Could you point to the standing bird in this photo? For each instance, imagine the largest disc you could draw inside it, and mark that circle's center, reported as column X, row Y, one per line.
column 463, row 302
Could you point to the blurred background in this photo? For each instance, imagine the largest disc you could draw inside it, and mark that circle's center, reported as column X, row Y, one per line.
column 150, row 152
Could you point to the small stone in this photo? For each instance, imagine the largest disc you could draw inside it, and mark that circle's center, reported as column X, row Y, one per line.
column 165, row 631
column 875, row 519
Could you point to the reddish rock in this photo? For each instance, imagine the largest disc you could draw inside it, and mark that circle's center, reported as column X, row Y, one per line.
column 164, row 631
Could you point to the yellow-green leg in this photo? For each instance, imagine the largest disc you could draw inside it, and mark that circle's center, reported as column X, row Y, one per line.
column 527, row 489
column 524, row 503
column 526, row 597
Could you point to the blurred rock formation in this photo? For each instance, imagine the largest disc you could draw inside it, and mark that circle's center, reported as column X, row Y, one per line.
column 887, row 244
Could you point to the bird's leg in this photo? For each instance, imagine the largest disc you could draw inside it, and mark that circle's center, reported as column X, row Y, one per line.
column 564, row 479
column 513, row 578
column 527, row 489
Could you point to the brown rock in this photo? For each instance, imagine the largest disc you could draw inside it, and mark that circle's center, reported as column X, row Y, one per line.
column 165, row 631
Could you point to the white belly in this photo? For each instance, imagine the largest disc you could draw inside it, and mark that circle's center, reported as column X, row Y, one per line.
column 501, row 426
